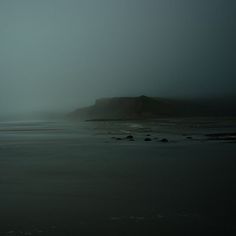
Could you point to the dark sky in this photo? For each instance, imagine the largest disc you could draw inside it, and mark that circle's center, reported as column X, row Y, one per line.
column 62, row 54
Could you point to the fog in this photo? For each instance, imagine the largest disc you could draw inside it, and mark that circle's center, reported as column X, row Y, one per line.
column 57, row 55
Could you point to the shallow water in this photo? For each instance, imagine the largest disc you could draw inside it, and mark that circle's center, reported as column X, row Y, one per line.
column 59, row 178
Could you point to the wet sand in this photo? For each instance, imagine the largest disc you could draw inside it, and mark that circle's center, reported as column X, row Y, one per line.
column 86, row 183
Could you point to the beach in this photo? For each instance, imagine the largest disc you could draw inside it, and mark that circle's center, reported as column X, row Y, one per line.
column 88, row 178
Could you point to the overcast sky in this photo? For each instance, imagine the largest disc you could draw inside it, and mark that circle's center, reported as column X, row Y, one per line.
column 62, row 54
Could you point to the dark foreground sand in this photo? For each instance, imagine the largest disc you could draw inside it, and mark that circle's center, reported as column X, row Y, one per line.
column 69, row 184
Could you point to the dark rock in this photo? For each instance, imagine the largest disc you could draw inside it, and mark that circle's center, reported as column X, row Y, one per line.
column 189, row 137
column 164, row 140
column 148, row 135
column 129, row 137
column 147, row 139
column 118, row 139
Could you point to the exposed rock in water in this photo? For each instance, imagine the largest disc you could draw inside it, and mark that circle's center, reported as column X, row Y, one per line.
column 130, row 137
column 147, row 139
column 164, row 140
column 118, row 138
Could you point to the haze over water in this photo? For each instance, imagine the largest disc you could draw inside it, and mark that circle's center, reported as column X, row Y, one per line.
column 169, row 175
column 59, row 55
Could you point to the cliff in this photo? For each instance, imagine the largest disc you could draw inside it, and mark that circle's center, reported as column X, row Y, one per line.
column 143, row 107
column 122, row 108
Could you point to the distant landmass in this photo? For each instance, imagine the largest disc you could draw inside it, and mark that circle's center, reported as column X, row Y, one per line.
column 144, row 107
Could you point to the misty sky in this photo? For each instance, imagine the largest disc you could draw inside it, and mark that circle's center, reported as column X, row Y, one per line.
column 62, row 54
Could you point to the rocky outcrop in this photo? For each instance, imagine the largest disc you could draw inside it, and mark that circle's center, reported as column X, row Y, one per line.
column 124, row 108
column 143, row 107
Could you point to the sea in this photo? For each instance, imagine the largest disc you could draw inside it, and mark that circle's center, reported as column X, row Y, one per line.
column 172, row 176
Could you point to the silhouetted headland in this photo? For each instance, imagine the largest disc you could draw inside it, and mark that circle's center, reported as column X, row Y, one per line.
column 144, row 107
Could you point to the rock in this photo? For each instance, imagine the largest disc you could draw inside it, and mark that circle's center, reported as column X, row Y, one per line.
column 116, row 138
column 189, row 137
column 164, row 140
column 129, row 137
column 148, row 135
column 147, row 139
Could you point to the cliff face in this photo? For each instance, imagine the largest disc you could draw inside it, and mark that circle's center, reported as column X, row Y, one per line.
column 126, row 108
column 143, row 107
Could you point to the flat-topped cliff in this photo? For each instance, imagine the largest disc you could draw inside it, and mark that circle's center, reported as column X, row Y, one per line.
column 143, row 107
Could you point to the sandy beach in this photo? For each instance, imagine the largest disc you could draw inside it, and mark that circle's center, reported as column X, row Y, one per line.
column 90, row 179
